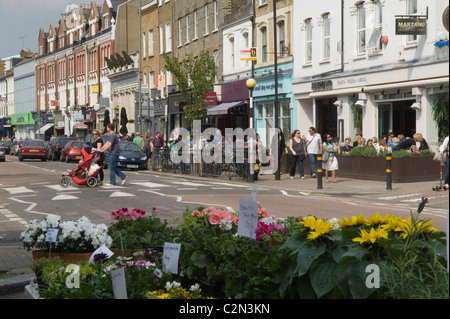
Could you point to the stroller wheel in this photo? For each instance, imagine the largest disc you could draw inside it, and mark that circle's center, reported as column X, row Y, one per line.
column 64, row 182
column 92, row 181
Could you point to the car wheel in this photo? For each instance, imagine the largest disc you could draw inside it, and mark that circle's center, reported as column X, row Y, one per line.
column 65, row 182
column 44, row 159
column 20, row 158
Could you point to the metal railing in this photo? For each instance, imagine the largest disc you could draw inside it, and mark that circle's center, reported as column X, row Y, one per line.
column 160, row 160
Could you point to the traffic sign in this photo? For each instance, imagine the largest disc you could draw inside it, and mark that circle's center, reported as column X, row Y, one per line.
column 248, row 54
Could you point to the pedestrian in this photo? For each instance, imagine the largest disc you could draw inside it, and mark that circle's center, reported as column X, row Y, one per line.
column 296, row 154
column 332, row 164
column 314, row 148
column 148, row 145
column 139, row 141
column 444, row 149
column 98, row 144
column 281, row 144
column 113, row 145
column 347, row 147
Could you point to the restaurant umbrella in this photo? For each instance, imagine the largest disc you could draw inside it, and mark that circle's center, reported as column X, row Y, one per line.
column 123, row 121
column 106, row 121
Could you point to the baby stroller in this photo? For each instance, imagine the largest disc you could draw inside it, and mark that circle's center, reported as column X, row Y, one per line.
column 85, row 173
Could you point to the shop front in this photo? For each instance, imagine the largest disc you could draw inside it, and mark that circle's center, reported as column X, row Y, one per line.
column 264, row 103
column 24, row 124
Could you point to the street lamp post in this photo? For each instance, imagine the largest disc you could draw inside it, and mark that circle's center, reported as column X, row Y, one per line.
column 277, row 173
column 251, row 83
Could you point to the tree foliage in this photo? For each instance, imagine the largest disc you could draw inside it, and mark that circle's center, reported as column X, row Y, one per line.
column 194, row 78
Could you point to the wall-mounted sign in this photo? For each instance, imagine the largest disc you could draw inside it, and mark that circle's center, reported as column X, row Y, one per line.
column 322, row 85
column 248, row 54
column 413, row 26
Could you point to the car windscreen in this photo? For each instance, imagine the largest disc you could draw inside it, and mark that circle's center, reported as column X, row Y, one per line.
column 5, row 143
column 78, row 145
column 34, row 143
column 124, row 146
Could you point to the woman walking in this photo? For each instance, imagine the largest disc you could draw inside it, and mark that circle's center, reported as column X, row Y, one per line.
column 332, row 164
column 98, row 143
column 296, row 154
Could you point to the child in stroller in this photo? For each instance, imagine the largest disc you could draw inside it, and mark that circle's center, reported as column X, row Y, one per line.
column 85, row 173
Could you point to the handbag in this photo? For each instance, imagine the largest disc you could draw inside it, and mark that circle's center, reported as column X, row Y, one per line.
column 325, row 156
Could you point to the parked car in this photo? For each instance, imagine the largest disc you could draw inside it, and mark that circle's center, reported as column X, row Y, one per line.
column 2, row 154
column 131, row 157
column 33, row 149
column 72, row 151
column 6, row 145
column 56, row 146
column 15, row 147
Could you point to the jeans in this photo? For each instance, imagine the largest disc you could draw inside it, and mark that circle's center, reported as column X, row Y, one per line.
column 113, row 170
column 295, row 160
column 446, row 177
column 313, row 161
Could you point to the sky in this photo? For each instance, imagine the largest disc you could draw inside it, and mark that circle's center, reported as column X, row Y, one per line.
column 25, row 19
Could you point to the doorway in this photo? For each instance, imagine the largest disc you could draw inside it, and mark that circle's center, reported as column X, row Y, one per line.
column 397, row 117
column 326, row 117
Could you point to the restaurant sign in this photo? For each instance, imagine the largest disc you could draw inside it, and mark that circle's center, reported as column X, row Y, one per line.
column 412, row 26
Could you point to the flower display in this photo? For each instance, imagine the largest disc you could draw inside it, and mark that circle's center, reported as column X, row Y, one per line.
column 317, row 227
column 73, row 236
column 372, row 236
column 173, row 290
column 222, row 218
column 125, row 214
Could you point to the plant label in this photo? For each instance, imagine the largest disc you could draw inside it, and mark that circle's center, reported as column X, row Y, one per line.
column 119, row 284
column 101, row 250
column 52, row 235
column 171, row 256
column 248, row 218
column 254, row 192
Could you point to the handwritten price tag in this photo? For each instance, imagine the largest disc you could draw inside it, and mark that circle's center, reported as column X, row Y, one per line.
column 119, row 284
column 248, row 218
column 171, row 256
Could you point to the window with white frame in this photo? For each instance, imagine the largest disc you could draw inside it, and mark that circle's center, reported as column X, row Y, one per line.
column 168, row 36
column 281, row 38
column 206, row 19
column 308, row 41
column 361, row 30
column 374, row 42
column 195, row 24
column 151, row 43
column 232, row 53
column 180, row 33
column 161, row 40
column 144, row 45
column 216, row 15
column 412, row 9
column 187, row 29
column 264, row 44
column 152, row 83
column 326, row 37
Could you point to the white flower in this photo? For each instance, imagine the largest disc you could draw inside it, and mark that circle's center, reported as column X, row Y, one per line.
column 225, row 224
column 195, row 288
column 335, row 221
column 172, row 285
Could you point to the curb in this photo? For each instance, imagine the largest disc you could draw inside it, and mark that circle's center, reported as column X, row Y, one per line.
column 15, row 284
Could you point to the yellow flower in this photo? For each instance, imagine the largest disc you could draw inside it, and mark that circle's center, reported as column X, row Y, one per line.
column 375, row 220
column 354, row 221
column 318, row 227
column 309, row 222
column 372, row 237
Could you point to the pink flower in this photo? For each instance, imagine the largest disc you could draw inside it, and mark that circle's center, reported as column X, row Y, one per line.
column 197, row 213
column 215, row 218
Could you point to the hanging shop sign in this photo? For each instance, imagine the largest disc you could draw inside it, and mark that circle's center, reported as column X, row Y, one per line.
column 410, row 26
column 22, row 119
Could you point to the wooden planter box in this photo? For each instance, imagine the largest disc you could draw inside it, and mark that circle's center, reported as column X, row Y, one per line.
column 404, row 170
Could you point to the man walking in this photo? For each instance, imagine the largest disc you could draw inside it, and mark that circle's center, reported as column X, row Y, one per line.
column 314, row 148
column 113, row 145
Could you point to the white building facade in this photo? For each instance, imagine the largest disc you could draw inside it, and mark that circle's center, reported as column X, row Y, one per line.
column 354, row 72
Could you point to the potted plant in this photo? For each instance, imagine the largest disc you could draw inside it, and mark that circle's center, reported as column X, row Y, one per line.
column 75, row 240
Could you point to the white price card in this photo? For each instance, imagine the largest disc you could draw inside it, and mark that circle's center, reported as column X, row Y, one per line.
column 171, row 255
column 52, row 235
column 101, row 250
column 248, row 218
column 119, row 283
column 254, row 192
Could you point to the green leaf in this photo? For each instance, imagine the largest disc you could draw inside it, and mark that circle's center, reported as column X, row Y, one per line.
column 198, row 258
column 307, row 254
column 323, row 277
column 340, row 252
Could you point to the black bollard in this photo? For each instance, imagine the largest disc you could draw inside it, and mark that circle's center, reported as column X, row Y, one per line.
column 319, row 171
column 388, row 171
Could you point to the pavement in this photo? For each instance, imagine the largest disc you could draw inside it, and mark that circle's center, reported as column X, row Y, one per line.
column 15, row 273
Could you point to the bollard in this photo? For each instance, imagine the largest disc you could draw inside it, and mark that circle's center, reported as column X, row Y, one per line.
column 319, row 171
column 388, row 171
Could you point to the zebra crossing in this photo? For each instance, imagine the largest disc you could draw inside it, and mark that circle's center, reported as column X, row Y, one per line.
column 75, row 192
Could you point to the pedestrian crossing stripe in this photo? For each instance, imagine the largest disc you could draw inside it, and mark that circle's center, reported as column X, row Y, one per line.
column 65, row 197
column 121, row 194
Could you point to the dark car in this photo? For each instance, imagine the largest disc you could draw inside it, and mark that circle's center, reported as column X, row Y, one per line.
column 33, row 149
column 6, row 145
column 131, row 157
column 54, row 151
column 72, row 151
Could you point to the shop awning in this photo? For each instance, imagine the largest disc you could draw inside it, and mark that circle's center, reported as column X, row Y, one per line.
column 223, row 108
column 45, row 128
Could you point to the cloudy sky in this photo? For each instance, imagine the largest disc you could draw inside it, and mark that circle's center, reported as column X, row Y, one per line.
column 25, row 18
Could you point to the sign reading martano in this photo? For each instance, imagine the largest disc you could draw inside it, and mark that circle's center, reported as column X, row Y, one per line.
column 414, row 26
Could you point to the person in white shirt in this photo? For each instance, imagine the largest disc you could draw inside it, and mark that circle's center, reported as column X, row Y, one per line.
column 313, row 142
column 444, row 149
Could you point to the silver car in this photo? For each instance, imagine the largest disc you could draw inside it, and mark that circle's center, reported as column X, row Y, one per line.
column 2, row 154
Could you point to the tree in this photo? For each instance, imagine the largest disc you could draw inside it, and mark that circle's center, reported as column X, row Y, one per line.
column 439, row 103
column 194, row 78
